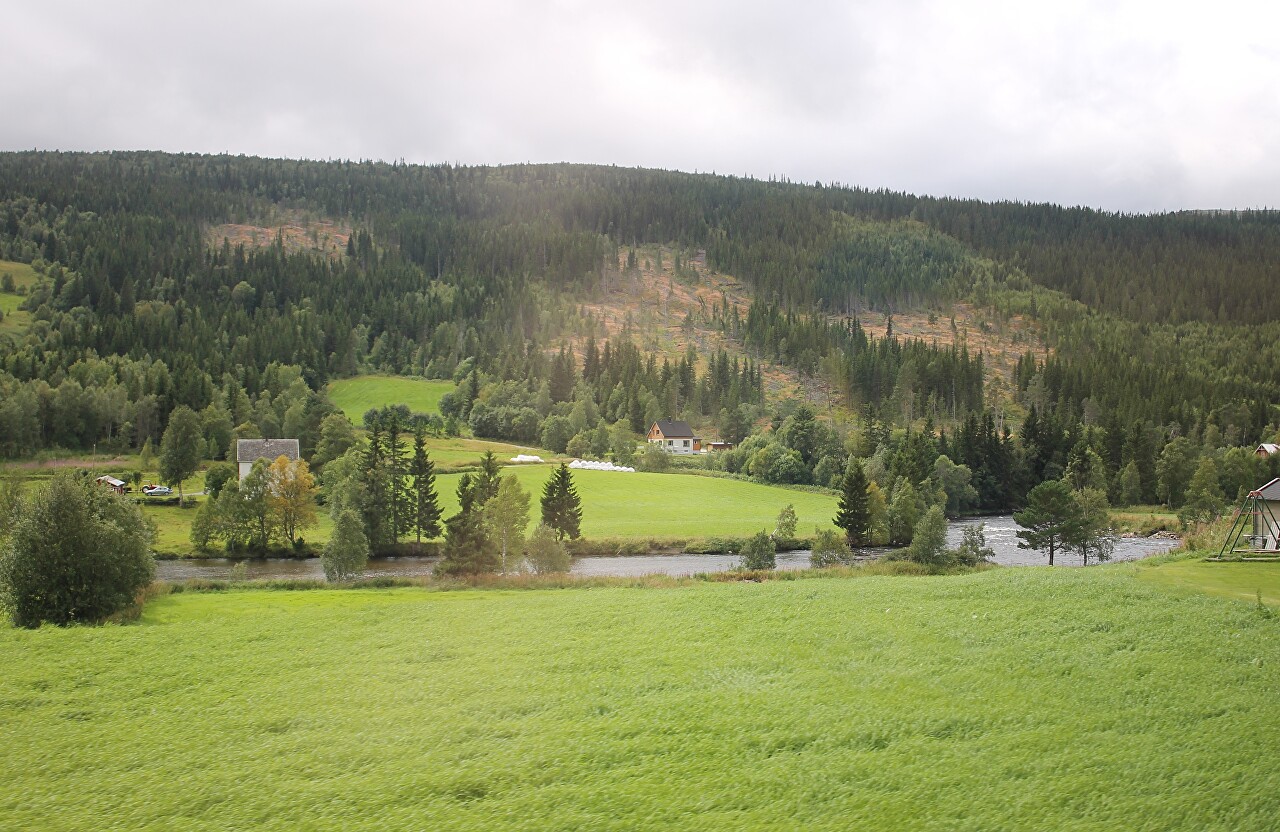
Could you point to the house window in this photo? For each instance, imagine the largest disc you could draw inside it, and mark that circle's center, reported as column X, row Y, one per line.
column 670, row 442
column 686, row 443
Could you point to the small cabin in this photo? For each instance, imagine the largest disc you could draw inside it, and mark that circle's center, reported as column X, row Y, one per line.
column 249, row 451
column 114, row 484
column 674, row 437
column 1266, row 516
column 1266, row 449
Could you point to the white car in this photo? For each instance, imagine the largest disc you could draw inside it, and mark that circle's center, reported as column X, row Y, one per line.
column 157, row 490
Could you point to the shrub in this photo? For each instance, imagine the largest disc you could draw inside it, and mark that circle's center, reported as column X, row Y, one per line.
column 76, row 553
column 929, row 542
column 830, row 548
column 347, row 552
column 759, row 552
column 545, row 553
column 654, row 459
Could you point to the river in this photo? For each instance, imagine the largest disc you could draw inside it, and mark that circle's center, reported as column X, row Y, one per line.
column 1000, row 534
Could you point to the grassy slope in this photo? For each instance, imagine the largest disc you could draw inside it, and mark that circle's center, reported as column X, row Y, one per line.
column 1012, row 699
column 628, row 506
column 15, row 322
column 354, row 396
column 667, row 506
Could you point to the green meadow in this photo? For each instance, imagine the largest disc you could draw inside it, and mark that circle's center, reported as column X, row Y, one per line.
column 667, row 506
column 354, row 396
column 639, row 506
column 1013, row 699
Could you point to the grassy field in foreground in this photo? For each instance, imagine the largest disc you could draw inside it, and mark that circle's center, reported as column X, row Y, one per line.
column 354, row 396
column 1013, row 699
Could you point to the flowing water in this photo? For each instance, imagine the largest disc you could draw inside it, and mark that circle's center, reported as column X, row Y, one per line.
column 1000, row 534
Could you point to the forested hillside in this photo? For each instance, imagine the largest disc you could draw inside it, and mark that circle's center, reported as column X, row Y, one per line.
column 1143, row 329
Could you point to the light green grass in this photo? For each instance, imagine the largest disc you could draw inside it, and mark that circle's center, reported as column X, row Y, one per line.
column 637, row 506
column 1025, row 699
column 15, row 322
column 1241, row 581
column 458, row 451
column 354, row 396
column 667, row 506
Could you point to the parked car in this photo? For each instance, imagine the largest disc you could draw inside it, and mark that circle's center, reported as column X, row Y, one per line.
column 157, row 490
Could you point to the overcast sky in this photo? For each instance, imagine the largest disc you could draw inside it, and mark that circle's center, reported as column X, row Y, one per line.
column 1131, row 106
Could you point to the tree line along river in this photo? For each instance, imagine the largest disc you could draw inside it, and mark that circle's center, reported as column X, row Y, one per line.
column 1000, row 533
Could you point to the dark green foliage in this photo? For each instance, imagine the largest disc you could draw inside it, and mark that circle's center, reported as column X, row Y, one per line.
column 475, row 274
column 852, row 513
column 561, row 506
column 1051, row 519
column 426, row 504
column 182, row 448
column 759, row 552
column 218, row 475
column 468, row 549
column 77, row 553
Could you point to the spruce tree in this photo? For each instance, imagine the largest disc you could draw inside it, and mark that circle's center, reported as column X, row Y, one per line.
column 426, row 505
column 852, row 512
column 561, row 506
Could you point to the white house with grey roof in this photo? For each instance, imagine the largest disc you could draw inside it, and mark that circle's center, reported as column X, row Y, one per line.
column 249, row 451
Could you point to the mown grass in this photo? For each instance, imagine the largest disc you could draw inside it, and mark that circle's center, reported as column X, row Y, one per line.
column 1010, row 699
column 354, row 396
column 616, row 506
column 667, row 506
column 1241, row 581
column 456, row 452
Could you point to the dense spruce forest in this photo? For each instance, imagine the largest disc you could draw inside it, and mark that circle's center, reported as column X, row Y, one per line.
column 1156, row 336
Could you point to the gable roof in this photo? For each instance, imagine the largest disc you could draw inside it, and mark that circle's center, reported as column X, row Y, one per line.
column 1268, row 448
column 672, row 429
column 1270, row 491
column 110, row 480
column 251, row 450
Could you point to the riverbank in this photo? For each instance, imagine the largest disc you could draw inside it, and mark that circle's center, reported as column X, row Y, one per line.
column 1001, row 534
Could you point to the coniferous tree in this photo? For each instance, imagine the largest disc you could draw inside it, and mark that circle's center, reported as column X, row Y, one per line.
column 426, row 505
column 852, row 512
column 561, row 506
column 1051, row 519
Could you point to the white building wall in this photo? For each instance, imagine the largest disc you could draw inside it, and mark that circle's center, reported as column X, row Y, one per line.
column 674, row 446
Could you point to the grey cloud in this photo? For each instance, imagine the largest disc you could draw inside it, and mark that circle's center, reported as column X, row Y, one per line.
column 1123, row 105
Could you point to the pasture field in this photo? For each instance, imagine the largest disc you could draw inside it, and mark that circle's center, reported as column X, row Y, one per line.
column 457, row 451
column 354, row 396
column 635, row 506
column 666, row 506
column 1013, row 699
